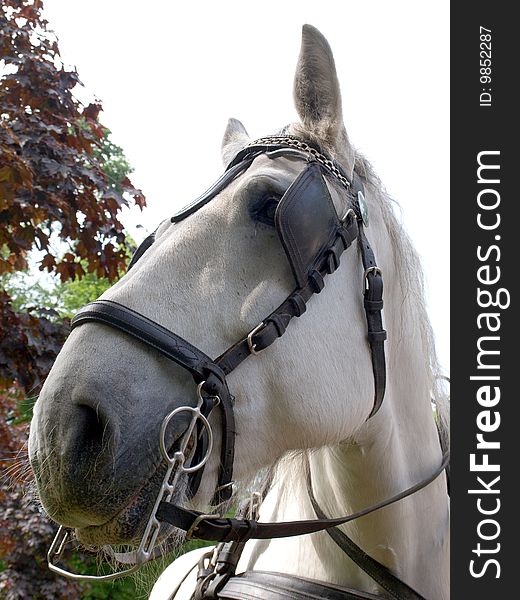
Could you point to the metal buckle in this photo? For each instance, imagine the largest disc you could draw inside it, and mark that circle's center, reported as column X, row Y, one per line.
column 250, row 345
column 348, row 213
column 194, row 526
column 375, row 270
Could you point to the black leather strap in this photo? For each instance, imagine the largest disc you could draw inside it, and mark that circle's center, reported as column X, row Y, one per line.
column 224, row 489
column 224, row 180
column 143, row 247
column 241, row 530
column 373, row 304
column 262, row 585
column 276, row 323
column 395, row 587
column 150, row 333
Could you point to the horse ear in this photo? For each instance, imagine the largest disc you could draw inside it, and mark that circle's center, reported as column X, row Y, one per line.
column 316, row 91
column 235, row 138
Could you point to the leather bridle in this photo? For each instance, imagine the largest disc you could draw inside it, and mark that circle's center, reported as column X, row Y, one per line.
column 313, row 237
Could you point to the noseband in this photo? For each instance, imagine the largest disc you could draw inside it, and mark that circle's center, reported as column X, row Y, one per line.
column 313, row 237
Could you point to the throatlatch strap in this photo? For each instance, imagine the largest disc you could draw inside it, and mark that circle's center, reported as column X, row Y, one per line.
column 373, row 304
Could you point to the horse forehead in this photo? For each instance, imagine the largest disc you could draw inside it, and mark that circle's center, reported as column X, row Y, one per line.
column 281, row 169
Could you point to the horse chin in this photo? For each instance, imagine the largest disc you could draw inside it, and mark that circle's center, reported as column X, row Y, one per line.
column 128, row 525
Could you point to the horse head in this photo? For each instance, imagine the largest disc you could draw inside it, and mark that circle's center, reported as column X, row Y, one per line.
column 269, row 234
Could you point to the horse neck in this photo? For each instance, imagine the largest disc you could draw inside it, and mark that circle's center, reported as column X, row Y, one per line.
column 399, row 448
column 395, row 449
column 410, row 537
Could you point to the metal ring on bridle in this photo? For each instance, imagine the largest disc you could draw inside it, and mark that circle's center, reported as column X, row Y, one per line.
column 179, row 455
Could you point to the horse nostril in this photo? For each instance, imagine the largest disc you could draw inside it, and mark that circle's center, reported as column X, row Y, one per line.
column 91, row 432
column 93, row 422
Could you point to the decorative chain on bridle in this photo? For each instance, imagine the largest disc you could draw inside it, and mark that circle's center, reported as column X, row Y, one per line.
column 294, row 142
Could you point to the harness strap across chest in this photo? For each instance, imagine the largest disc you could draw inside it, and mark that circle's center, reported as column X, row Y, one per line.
column 261, row 585
column 381, row 574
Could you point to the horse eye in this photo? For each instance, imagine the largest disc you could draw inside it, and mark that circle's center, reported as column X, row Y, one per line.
column 265, row 210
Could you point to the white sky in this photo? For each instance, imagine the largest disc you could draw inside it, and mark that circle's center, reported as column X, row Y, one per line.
column 169, row 74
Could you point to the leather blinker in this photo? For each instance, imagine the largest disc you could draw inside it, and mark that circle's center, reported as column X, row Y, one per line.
column 306, row 222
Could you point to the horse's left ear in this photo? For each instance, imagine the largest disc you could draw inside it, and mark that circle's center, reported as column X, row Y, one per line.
column 235, row 138
column 317, row 93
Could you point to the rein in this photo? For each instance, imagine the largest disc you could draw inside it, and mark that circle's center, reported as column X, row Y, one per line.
column 216, row 577
column 216, row 528
column 313, row 237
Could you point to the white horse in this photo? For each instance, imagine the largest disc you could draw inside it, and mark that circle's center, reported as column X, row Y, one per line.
column 300, row 405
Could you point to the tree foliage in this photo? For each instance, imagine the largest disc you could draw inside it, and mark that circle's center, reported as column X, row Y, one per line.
column 66, row 298
column 61, row 178
column 26, row 532
column 34, row 341
column 63, row 184
column 51, row 179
